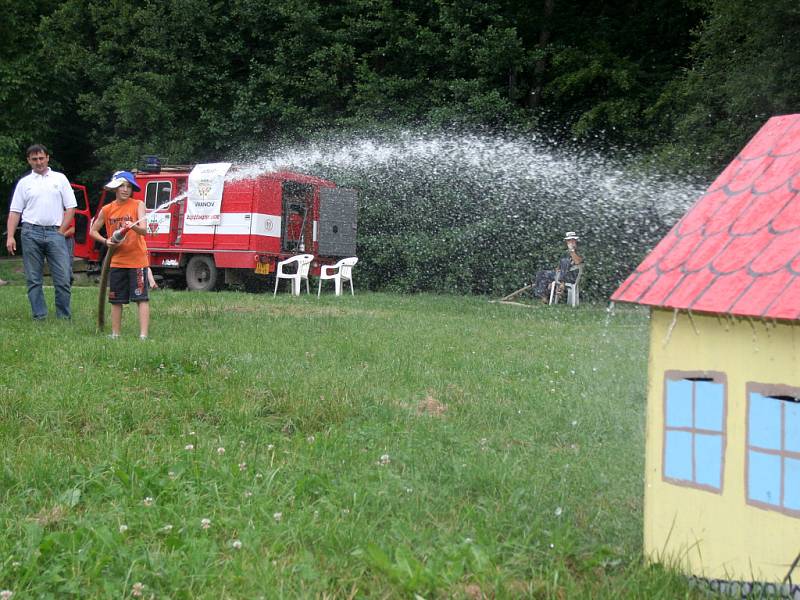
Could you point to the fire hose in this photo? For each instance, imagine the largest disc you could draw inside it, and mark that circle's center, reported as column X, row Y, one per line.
column 117, row 237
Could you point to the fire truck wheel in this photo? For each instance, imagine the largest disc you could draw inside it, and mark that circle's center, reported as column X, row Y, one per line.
column 201, row 273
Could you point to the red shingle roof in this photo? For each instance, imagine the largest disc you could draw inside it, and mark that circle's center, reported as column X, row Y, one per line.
column 737, row 250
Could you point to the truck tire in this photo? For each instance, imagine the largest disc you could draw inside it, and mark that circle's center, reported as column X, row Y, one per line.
column 201, row 273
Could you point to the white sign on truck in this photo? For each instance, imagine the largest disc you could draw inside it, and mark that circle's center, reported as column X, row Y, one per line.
column 204, row 202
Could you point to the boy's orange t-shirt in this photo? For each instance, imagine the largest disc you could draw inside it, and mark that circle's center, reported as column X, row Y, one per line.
column 132, row 252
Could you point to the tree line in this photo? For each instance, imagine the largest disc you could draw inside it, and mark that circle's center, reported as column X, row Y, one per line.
column 684, row 83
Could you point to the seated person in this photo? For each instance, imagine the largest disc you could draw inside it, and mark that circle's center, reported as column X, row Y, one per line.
column 564, row 273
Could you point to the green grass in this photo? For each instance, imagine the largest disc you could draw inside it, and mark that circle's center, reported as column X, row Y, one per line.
column 512, row 445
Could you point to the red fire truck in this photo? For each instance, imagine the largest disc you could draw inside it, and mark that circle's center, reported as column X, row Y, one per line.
column 263, row 219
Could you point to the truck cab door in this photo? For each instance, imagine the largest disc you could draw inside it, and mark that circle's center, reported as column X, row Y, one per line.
column 84, row 245
column 162, row 222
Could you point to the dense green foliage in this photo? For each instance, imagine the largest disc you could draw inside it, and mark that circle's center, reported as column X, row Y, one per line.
column 103, row 83
column 193, row 79
column 745, row 68
column 380, row 446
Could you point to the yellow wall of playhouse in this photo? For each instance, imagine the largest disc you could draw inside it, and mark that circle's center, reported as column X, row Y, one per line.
column 701, row 532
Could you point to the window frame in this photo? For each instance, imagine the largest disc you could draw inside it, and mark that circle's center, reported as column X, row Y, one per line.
column 716, row 377
column 770, row 391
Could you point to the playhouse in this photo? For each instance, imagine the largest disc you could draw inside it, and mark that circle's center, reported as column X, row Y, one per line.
column 722, row 481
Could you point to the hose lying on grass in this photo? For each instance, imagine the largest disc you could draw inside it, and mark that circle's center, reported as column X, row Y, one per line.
column 101, row 300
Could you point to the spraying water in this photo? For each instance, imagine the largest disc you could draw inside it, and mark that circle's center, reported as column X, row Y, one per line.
column 479, row 213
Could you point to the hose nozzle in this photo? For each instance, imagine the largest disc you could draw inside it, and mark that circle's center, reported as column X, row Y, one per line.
column 119, row 234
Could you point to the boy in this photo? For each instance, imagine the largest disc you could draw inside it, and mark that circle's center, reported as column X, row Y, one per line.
column 129, row 262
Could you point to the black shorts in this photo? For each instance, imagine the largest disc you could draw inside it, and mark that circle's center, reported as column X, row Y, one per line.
column 127, row 284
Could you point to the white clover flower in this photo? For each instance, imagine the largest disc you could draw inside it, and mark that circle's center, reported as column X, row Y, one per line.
column 241, row 444
column 220, row 450
column 137, row 589
column 558, row 511
column 384, row 460
column 236, row 544
column 205, row 523
column 259, row 475
column 345, row 511
column 248, row 493
column 172, row 475
column 148, row 501
column 6, row 594
column 574, row 423
column 189, row 447
column 277, row 516
column 167, row 528
column 192, row 433
column 242, row 466
column 16, row 564
column 123, row 528
column 311, row 439
column 409, row 490
column 270, row 447
column 468, row 540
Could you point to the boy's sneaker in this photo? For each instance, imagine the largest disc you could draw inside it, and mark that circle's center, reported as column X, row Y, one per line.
column 143, row 337
column 113, row 336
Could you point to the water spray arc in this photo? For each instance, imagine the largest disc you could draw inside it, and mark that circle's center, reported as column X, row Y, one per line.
column 487, row 209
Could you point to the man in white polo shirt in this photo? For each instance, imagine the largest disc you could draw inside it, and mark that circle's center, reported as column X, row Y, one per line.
column 45, row 203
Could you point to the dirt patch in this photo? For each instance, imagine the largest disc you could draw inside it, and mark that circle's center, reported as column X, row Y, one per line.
column 473, row 592
column 47, row 517
column 431, row 406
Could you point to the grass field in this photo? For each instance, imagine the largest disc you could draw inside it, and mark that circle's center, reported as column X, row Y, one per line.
column 378, row 446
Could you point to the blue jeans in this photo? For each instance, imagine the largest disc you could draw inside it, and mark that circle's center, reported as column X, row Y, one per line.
column 70, row 255
column 38, row 243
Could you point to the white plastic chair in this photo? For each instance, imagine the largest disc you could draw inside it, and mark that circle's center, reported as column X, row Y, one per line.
column 300, row 273
column 573, row 289
column 341, row 271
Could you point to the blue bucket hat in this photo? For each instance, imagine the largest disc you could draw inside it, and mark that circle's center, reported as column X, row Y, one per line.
column 120, row 177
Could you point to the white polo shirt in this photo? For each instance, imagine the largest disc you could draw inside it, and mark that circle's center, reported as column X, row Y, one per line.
column 42, row 199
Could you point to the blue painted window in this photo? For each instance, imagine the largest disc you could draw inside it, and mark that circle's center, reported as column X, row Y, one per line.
column 773, row 449
column 694, row 431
